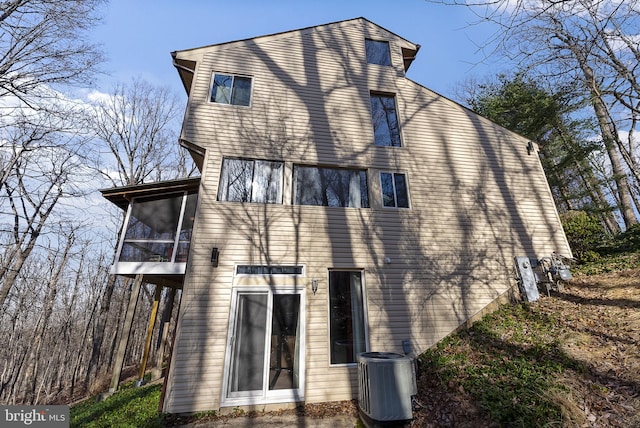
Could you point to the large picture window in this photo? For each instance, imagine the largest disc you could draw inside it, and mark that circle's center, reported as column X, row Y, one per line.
column 394, row 190
column 251, row 181
column 332, row 187
column 347, row 316
column 385, row 120
column 377, row 52
column 229, row 89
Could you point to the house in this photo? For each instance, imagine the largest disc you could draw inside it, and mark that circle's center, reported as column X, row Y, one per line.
column 341, row 208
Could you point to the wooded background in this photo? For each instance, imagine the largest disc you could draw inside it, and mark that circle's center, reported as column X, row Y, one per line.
column 572, row 87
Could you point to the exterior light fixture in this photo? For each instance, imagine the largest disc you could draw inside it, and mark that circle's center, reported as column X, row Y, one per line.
column 530, row 148
column 215, row 253
column 314, row 285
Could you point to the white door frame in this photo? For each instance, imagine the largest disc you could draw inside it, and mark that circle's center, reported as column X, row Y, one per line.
column 266, row 396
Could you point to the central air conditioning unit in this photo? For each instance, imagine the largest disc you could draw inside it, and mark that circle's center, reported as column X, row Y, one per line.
column 386, row 381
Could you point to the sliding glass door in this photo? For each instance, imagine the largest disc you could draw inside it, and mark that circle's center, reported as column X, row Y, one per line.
column 265, row 348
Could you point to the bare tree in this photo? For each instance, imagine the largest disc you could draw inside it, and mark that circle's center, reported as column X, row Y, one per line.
column 58, row 259
column 35, row 185
column 137, row 123
column 43, row 43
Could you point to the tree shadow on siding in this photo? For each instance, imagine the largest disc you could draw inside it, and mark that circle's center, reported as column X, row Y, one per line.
column 449, row 255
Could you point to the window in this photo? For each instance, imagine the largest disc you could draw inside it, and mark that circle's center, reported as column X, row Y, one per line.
column 268, row 270
column 377, row 52
column 394, row 190
column 346, row 314
column 330, row 187
column 385, row 120
column 251, row 181
column 159, row 229
column 228, row 89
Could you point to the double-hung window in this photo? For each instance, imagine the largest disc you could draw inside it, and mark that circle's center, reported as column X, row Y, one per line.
column 244, row 180
column 386, row 130
column 394, row 190
column 331, row 187
column 230, row 89
column 377, row 52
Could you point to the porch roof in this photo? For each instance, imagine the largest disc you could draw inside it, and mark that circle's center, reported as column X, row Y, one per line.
column 122, row 196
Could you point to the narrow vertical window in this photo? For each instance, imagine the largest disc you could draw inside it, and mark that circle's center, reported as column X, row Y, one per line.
column 228, row 89
column 377, row 52
column 347, row 316
column 386, row 131
column 394, row 190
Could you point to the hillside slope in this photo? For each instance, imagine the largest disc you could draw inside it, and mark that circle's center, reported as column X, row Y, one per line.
column 571, row 359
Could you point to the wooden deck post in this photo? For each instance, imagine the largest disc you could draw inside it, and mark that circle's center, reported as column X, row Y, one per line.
column 124, row 335
column 152, row 323
column 161, row 346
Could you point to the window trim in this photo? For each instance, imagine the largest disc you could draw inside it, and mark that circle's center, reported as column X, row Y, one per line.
column 269, row 274
column 365, row 314
column 395, row 193
column 368, row 39
column 396, row 110
column 233, row 75
column 271, row 396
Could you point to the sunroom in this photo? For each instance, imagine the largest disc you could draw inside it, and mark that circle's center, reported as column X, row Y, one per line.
column 157, row 229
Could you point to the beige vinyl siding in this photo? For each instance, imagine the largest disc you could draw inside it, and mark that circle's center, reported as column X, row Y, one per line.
column 477, row 200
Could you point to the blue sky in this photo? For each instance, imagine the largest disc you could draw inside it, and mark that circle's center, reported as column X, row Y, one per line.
column 138, row 35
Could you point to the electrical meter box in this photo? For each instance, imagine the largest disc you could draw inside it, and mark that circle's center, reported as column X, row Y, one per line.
column 527, row 279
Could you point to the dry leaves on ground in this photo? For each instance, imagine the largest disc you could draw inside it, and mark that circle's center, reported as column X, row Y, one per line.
column 599, row 317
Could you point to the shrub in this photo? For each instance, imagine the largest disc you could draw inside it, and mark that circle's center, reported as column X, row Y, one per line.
column 584, row 233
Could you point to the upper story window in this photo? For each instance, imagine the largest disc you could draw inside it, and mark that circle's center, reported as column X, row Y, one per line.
column 245, row 180
column 394, row 190
column 229, row 89
column 377, row 52
column 330, row 187
column 386, row 131
column 159, row 228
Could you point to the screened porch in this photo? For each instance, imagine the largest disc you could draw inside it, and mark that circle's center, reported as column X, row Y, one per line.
column 156, row 234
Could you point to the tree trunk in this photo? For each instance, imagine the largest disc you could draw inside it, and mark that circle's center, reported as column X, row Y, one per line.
column 610, row 142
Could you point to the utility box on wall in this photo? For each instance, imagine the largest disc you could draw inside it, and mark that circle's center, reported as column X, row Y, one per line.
column 386, row 383
column 527, row 279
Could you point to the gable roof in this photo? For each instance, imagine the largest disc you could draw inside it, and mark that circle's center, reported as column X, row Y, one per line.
column 184, row 63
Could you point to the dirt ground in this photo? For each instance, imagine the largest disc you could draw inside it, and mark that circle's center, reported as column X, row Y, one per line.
column 600, row 317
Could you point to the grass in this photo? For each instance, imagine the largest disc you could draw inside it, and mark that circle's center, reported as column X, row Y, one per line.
column 129, row 407
column 512, row 363
column 508, row 362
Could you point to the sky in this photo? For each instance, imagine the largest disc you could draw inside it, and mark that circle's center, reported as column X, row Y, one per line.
column 138, row 36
